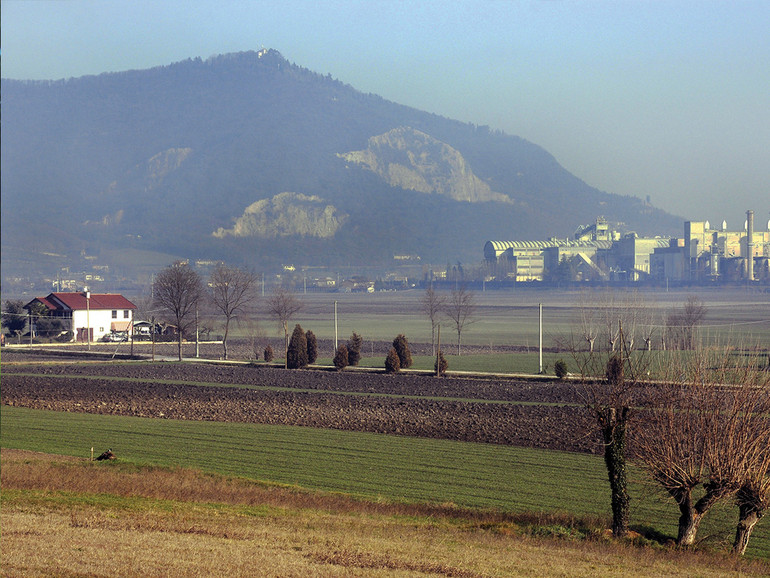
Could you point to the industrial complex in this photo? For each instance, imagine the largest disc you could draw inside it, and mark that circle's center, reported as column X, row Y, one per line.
column 598, row 253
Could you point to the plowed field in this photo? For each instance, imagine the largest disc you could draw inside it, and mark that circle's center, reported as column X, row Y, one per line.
column 539, row 414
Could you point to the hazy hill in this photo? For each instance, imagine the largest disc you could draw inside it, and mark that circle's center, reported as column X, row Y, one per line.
column 251, row 158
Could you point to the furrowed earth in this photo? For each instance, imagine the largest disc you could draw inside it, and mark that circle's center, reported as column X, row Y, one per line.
column 537, row 414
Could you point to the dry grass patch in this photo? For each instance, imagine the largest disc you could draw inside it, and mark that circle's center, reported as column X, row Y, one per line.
column 67, row 517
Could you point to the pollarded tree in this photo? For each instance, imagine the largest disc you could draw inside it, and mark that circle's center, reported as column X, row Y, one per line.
column 401, row 347
column 609, row 376
column 707, row 426
column 312, row 346
column 232, row 292
column 179, row 290
column 296, row 354
column 354, row 348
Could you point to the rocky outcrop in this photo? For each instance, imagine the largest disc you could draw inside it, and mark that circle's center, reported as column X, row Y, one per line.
column 284, row 215
column 410, row 159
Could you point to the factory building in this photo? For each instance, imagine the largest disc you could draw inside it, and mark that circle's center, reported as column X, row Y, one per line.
column 594, row 253
column 598, row 253
column 707, row 254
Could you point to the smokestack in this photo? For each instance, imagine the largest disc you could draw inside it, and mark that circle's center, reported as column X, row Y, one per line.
column 750, row 245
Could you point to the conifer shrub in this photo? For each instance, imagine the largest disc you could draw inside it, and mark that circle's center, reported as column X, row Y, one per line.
column 296, row 356
column 312, row 346
column 269, row 355
column 354, row 348
column 440, row 365
column 401, row 346
column 392, row 363
column 560, row 369
column 341, row 357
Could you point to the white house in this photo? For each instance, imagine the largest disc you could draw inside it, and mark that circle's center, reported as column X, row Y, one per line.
column 87, row 315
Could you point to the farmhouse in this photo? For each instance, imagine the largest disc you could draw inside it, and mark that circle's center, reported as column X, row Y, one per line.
column 89, row 316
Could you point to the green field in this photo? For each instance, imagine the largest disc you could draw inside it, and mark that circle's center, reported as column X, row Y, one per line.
column 505, row 318
column 369, row 466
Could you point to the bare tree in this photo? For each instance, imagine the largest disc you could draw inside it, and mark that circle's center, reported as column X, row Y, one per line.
column 683, row 323
column 460, row 308
column 707, row 425
column 179, row 290
column 609, row 378
column 433, row 304
column 283, row 305
column 233, row 290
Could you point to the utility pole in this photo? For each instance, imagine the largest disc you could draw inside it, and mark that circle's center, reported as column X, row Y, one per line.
column 335, row 326
column 197, row 342
column 88, row 318
column 541, row 339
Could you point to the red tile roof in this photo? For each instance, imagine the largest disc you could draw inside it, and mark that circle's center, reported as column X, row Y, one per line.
column 77, row 301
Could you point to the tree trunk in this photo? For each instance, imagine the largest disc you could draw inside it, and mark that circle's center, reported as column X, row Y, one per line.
column 614, row 433
column 179, row 343
column 689, row 521
column 224, row 339
column 692, row 514
column 747, row 518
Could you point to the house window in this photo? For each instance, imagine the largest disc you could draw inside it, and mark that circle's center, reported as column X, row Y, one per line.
column 125, row 314
column 114, row 313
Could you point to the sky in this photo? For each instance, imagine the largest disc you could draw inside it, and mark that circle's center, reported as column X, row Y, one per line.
column 662, row 98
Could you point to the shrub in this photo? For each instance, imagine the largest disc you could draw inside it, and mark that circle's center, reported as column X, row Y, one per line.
column 269, row 355
column 401, row 346
column 296, row 356
column 354, row 348
column 560, row 369
column 341, row 357
column 312, row 346
column 440, row 365
column 392, row 363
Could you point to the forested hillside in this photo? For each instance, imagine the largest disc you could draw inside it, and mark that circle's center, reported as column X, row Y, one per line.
column 218, row 158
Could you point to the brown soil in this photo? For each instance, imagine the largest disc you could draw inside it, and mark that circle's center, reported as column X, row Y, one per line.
column 538, row 414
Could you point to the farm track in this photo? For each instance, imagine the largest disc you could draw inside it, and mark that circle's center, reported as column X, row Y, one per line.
column 511, row 412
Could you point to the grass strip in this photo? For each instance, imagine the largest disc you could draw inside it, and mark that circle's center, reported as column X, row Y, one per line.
column 372, row 466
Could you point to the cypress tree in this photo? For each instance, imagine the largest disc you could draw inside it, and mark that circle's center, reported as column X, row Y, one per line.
column 296, row 356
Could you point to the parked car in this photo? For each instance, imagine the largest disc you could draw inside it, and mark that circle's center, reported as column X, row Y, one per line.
column 116, row 336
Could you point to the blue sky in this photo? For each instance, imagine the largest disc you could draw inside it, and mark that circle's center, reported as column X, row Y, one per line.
column 669, row 99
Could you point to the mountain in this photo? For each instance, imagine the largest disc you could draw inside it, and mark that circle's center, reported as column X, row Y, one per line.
column 250, row 158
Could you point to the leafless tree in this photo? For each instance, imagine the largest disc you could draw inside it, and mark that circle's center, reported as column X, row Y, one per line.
column 460, row 308
column 179, row 290
column 233, row 291
column 683, row 323
column 753, row 499
column 707, row 425
column 610, row 375
column 433, row 304
column 283, row 305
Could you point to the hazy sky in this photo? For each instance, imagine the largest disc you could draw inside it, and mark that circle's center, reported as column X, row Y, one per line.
column 669, row 99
